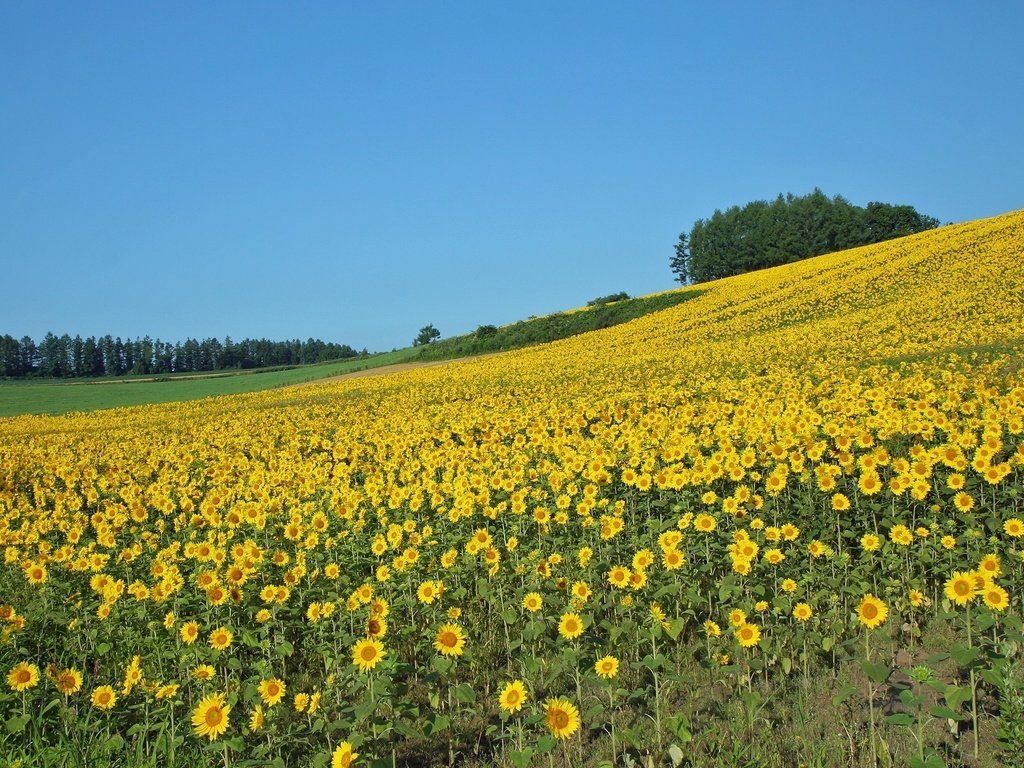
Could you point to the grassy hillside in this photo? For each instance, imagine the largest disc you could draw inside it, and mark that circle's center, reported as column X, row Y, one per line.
column 778, row 524
column 56, row 396
column 63, row 396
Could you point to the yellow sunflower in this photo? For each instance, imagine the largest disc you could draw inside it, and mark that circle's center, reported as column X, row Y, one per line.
column 343, row 756
column 960, row 588
column 996, row 598
column 104, row 697
column 22, row 677
column 221, row 638
column 272, row 691
column 367, row 653
column 450, row 640
column 210, row 717
column 512, row 697
column 570, row 626
column 747, row 634
column 562, row 718
column 608, row 667
column 802, row 612
column 872, row 612
column 532, row 602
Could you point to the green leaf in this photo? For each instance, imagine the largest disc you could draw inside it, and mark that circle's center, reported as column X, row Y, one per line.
column 464, row 693
column 103, row 648
column 546, row 743
column 435, row 724
column 875, row 671
column 944, row 713
column 900, row 718
column 964, row 655
column 284, row 648
column 17, row 723
column 844, row 695
column 955, row 696
column 827, row 643
column 787, row 665
column 675, row 754
column 993, row 678
column 521, row 759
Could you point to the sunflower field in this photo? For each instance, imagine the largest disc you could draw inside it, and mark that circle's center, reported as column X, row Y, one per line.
column 778, row 524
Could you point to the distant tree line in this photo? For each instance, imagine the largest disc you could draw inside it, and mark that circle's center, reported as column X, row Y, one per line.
column 765, row 234
column 67, row 357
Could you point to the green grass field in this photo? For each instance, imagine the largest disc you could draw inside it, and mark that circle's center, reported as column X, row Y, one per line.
column 54, row 396
column 62, row 396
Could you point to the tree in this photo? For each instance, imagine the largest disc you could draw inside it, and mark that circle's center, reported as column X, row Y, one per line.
column 766, row 234
column 428, row 334
column 680, row 263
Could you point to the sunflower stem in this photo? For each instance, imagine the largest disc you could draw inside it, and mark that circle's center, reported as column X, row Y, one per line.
column 871, row 699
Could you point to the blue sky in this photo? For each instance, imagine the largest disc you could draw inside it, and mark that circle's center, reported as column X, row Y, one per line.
column 354, row 171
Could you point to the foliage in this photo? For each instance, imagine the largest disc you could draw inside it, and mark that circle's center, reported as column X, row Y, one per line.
column 610, row 299
column 64, row 357
column 766, row 234
column 770, row 531
column 427, row 335
column 560, row 325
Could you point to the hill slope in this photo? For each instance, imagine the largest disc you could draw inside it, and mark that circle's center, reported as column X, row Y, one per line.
column 739, row 499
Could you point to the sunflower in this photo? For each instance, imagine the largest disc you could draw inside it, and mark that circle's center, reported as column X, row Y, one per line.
column 562, row 718
column 802, row 612
column 532, row 602
column 256, row 719
column 916, row 597
column 210, row 717
column 272, row 691
column 960, row 588
column 619, row 576
column 1014, row 527
column 996, row 597
column 343, row 756
column 104, row 697
column 747, row 634
column 512, row 697
column 22, row 677
column 450, row 640
column 990, row 566
column 608, row 667
column 788, row 585
column 203, row 672
column 428, row 592
column 712, row 629
column 570, row 626
column 737, row 617
column 68, row 681
column 872, row 612
column 367, row 653
column 221, row 638
column 963, row 502
column 673, row 560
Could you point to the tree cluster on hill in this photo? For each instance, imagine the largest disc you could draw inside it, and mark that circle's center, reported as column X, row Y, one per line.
column 765, row 234
column 66, row 357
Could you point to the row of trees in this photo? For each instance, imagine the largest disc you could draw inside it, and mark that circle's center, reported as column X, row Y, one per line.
column 765, row 234
column 65, row 357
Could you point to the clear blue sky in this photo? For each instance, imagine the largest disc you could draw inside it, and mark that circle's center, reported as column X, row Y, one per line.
column 353, row 171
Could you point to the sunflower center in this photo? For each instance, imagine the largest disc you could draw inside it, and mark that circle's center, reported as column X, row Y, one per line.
column 448, row 639
column 869, row 611
column 23, row 676
column 560, row 719
column 214, row 716
column 369, row 653
column 962, row 588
